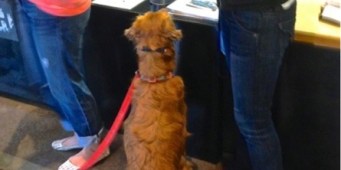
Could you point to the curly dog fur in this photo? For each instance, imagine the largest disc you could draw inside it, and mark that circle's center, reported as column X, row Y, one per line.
column 155, row 131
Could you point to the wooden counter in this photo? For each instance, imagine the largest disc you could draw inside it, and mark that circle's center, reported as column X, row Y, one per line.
column 310, row 29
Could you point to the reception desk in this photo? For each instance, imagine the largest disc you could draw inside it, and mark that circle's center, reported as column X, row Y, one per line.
column 306, row 104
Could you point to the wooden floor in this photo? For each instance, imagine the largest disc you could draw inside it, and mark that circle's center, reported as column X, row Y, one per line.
column 27, row 132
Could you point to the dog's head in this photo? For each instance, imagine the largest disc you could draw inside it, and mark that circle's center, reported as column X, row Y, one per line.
column 153, row 30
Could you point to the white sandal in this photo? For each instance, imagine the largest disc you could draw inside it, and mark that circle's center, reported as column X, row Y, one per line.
column 67, row 165
column 58, row 145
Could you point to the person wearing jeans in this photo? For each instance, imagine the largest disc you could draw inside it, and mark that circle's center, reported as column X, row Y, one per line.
column 254, row 35
column 56, row 28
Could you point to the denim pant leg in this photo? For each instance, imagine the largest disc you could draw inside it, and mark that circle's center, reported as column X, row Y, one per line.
column 254, row 44
column 58, row 41
column 31, row 64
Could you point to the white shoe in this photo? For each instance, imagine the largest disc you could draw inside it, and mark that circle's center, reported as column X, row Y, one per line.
column 67, row 165
column 59, row 145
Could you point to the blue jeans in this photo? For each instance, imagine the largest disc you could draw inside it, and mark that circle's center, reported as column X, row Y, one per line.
column 58, row 44
column 254, row 43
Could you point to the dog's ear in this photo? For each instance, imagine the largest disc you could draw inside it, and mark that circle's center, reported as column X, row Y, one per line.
column 130, row 33
column 163, row 10
column 175, row 35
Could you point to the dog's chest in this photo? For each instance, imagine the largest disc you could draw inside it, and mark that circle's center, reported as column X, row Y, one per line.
column 155, row 95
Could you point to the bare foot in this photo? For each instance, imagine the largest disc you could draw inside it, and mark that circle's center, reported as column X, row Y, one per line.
column 81, row 157
column 66, row 144
column 70, row 141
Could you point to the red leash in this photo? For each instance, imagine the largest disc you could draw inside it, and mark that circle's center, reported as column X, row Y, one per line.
column 112, row 132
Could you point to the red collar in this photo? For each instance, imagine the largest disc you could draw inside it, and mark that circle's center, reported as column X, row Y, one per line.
column 154, row 79
column 159, row 50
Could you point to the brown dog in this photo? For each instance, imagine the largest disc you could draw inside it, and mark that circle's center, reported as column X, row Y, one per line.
column 155, row 131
